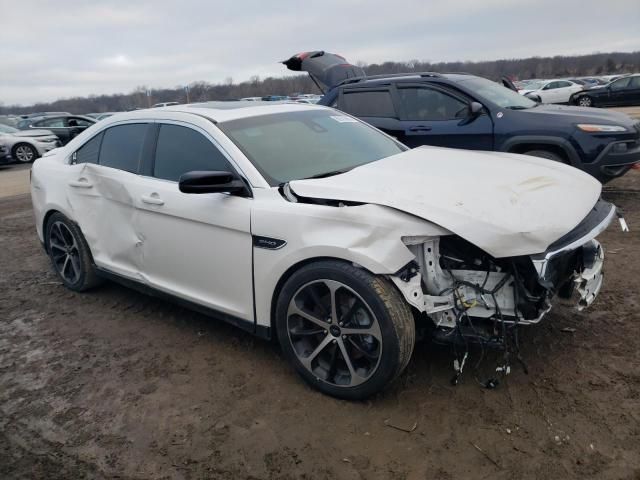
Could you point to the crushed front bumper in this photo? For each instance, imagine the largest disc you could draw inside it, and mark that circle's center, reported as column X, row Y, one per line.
column 577, row 257
column 588, row 282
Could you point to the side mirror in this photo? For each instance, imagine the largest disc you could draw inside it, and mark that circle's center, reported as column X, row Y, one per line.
column 211, row 182
column 475, row 108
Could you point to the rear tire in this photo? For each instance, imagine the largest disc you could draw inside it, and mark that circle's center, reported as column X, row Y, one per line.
column 320, row 312
column 69, row 253
column 545, row 154
column 24, row 153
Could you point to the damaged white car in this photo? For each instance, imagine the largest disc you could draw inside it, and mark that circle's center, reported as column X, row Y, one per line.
column 303, row 223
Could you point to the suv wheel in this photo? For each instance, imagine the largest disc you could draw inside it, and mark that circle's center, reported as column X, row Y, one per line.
column 585, row 101
column 69, row 254
column 24, row 153
column 545, row 154
column 347, row 332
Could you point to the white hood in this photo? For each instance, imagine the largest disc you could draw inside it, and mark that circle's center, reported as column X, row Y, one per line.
column 506, row 204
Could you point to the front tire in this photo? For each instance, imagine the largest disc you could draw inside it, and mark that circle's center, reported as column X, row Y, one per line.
column 545, row 154
column 24, row 153
column 69, row 253
column 584, row 101
column 347, row 332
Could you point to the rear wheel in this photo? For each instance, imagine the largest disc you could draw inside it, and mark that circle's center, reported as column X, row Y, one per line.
column 69, row 254
column 347, row 332
column 545, row 154
column 24, row 153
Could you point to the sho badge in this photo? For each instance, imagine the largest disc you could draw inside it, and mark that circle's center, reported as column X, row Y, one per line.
column 268, row 242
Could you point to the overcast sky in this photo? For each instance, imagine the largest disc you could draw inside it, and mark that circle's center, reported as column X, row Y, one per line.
column 51, row 49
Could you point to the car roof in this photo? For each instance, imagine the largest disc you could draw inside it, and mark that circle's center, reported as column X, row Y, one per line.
column 406, row 77
column 219, row 111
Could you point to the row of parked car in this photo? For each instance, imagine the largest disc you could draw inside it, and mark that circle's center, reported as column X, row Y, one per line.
column 450, row 110
column 609, row 91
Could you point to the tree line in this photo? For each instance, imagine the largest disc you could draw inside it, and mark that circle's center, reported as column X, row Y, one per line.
column 533, row 67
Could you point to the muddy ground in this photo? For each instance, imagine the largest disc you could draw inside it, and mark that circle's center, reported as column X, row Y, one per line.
column 114, row 384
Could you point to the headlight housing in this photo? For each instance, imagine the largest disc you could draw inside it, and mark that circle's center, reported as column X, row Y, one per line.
column 595, row 128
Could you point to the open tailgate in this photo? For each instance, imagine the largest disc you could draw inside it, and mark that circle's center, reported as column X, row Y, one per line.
column 326, row 69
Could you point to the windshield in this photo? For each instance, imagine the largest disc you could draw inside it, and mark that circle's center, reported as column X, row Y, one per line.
column 496, row 93
column 308, row 143
column 537, row 85
column 7, row 129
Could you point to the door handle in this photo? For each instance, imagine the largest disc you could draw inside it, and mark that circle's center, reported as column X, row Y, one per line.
column 152, row 199
column 81, row 183
column 420, row 128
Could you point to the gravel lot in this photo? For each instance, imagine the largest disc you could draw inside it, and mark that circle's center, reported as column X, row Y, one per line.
column 112, row 383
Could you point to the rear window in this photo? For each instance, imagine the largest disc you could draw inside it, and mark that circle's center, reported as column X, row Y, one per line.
column 88, row 153
column 122, row 146
column 368, row 104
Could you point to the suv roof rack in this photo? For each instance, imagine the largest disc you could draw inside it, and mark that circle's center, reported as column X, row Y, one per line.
column 388, row 75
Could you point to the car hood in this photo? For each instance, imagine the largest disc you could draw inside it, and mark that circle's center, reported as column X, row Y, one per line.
column 33, row 133
column 582, row 115
column 506, row 204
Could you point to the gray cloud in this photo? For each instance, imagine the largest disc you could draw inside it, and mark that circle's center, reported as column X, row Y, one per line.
column 66, row 48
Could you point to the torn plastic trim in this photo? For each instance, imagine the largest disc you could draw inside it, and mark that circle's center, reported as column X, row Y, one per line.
column 289, row 195
column 541, row 261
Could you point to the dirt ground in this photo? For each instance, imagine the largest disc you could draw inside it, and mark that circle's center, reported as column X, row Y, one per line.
column 114, row 384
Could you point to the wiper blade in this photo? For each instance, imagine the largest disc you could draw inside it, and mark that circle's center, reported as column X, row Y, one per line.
column 517, row 107
column 328, row 174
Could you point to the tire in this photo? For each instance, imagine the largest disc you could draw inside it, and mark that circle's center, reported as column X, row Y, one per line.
column 545, row 154
column 584, row 101
column 24, row 153
column 69, row 254
column 315, row 343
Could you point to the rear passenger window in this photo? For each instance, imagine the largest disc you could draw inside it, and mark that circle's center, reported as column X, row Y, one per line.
column 181, row 150
column 368, row 104
column 122, row 146
column 88, row 153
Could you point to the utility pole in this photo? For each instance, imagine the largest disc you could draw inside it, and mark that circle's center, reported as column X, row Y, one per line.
column 186, row 91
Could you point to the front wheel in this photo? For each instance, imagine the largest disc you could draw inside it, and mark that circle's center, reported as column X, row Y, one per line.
column 24, row 153
column 347, row 332
column 585, row 101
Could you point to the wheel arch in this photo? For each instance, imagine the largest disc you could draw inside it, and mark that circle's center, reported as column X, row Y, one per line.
column 560, row 146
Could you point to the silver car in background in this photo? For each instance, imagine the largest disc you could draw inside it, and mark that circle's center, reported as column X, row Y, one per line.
column 25, row 146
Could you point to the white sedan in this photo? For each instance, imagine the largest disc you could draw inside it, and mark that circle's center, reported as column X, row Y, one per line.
column 303, row 223
column 551, row 91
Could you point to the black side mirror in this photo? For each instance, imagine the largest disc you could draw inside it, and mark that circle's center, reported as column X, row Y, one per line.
column 212, row 182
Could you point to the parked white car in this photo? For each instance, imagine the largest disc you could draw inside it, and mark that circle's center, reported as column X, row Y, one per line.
column 304, row 223
column 25, row 146
column 551, row 91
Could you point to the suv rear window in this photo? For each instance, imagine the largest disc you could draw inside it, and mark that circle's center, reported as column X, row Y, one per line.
column 368, row 104
column 122, row 146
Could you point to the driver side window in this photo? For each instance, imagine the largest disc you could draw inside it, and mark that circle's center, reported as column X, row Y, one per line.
column 428, row 104
column 181, row 149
